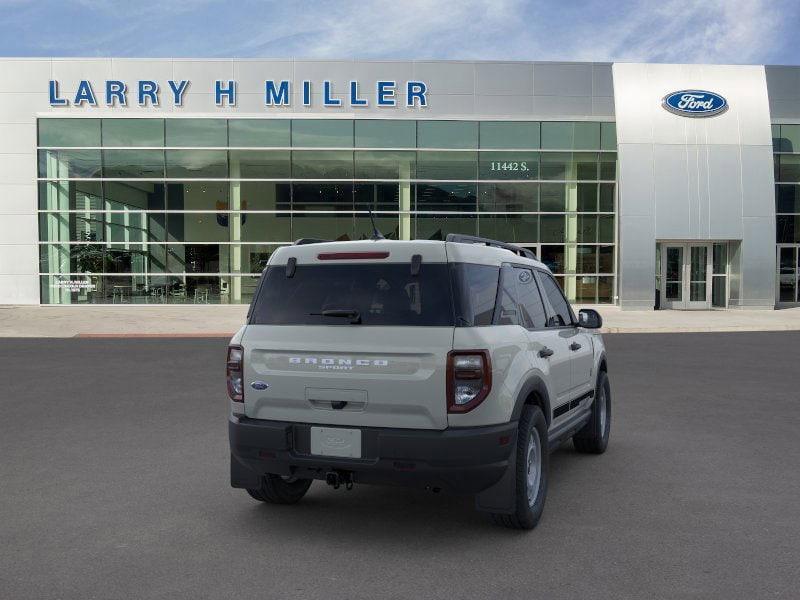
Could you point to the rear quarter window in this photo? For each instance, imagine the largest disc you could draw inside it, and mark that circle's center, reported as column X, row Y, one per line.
column 475, row 293
column 381, row 293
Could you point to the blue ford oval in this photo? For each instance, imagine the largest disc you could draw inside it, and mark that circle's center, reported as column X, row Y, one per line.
column 695, row 103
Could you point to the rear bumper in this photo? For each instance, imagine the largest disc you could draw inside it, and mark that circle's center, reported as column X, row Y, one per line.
column 463, row 460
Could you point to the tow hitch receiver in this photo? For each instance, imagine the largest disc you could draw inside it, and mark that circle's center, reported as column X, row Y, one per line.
column 339, row 478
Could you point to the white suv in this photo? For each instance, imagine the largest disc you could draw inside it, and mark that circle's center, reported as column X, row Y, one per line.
column 452, row 365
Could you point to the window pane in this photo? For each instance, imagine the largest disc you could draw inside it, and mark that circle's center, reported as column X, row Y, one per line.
column 552, row 228
column 553, row 197
column 606, row 197
column 322, row 164
column 447, row 134
column 248, row 133
column 608, row 166
column 260, row 164
column 563, row 313
column 587, row 229
column 322, row 196
column 447, row 165
column 788, row 229
column 787, row 198
column 509, row 134
column 263, row 195
column 475, row 288
column 586, row 289
column 70, row 195
column 62, row 164
column 198, row 195
column 776, row 135
column 197, row 163
column 436, row 227
column 585, row 166
column 199, row 227
column 720, row 266
column 383, row 294
column 133, row 195
column 194, row 258
column 509, row 197
column 605, row 229
column 509, row 165
column 608, row 136
column 133, row 164
column 446, row 197
column 196, row 132
column 69, row 132
column 789, row 170
column 265, row 227
column 530, row 300
column 557, row 135
column 556, row 165
column 385, row 165
column 134, row 226
column 322, row 133
column 587, row 136
column 605, row 290
column 380, row 196
column 787, row 263
column 587, row 197
column 71, row 227
column 790, row 138
column 606, row 259
column 133, row 132
column 515, row 228
column 379, row 133
column 208, row 289
column 553, row 257
column 586, row 259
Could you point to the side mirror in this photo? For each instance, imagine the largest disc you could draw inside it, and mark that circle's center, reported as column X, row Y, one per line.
column 589, row 318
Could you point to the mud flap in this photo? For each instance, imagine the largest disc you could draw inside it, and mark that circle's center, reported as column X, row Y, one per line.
column 501, row 497
column 243, row 476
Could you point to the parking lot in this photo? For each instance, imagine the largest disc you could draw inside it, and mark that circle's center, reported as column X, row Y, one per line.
column 114, row 477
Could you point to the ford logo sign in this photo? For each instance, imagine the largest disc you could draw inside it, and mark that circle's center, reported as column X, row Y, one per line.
column 259, row 385
column 695, row 103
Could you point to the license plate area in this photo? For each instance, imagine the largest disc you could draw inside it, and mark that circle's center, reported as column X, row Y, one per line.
column 335, row 441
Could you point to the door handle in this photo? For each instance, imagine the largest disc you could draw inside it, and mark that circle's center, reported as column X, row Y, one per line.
column 574, row 346
column 545, row 352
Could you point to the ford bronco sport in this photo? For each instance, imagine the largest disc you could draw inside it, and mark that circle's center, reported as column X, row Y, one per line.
column 452, row 365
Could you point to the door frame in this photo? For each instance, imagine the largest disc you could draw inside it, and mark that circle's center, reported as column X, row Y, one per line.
column 686, row 268
column 778, row 275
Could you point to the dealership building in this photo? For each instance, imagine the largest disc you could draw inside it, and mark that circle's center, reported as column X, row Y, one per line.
column 152, row 181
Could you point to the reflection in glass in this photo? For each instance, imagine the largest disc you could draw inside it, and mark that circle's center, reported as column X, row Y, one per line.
column 322, row 133
column 447, row 134
column 509, row 134
column 65, row 133
column 64, row 164
column 447, row 165
column 260, row 164
column 383, row 133
column 132, row 164
column 259, row 133
column 385, row 164
column 198, row 133
column 322, row 164
column 133, row 132
column 446, row 197
column 508, row 197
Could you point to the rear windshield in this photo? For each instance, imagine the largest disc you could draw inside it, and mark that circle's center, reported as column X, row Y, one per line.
column 380, row 294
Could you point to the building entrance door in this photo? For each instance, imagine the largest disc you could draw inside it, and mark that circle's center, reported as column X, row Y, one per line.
column 686, row 275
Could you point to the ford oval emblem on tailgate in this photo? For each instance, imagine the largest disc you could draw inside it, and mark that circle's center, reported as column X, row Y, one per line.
column 259, row 385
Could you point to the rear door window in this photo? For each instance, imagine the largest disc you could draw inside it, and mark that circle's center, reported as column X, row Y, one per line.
column 381, row 294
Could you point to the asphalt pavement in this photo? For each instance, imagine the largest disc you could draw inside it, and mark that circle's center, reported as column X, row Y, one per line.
column 114, row 484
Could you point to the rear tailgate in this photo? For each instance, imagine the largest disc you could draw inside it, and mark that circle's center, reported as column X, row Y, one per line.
column 351, row 333
column 348, row 375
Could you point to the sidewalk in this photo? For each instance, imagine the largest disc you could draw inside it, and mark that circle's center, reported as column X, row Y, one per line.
column 223, row 320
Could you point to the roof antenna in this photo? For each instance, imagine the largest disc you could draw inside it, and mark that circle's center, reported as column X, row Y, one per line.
column 376, row 234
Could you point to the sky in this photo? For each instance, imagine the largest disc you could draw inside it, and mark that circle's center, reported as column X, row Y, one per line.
column 680, row 31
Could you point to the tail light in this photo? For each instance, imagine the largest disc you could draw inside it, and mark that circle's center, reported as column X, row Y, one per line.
column 469, row 379
column 234, row 373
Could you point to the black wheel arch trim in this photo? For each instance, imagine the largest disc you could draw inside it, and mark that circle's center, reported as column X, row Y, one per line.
column 534, row 384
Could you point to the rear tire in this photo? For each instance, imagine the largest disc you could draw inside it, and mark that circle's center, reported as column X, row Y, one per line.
column 593, row 438
column 532, row 463
column 277, row 490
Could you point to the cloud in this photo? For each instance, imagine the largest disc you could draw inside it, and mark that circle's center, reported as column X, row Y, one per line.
column 705, row 31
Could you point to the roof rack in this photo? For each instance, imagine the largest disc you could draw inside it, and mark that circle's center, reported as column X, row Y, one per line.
column 471, row 239
column 306, row 241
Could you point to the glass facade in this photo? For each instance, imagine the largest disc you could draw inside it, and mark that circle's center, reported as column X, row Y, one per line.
column 786, row 148
column 189, row 210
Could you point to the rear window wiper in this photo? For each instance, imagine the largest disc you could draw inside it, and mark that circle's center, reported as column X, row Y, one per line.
column 345, row 313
